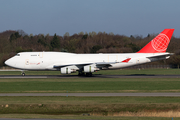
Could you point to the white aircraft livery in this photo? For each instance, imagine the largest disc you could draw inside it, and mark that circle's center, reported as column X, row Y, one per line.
column 68, row 63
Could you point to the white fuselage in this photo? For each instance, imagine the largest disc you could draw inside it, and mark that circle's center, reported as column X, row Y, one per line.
column 48, row 60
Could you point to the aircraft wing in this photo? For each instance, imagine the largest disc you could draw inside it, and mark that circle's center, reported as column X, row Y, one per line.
column 97, row 64
column 105, row 63
column 60, row 66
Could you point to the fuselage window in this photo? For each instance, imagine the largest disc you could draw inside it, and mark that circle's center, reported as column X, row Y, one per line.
column 17, row 54
column 33, row 55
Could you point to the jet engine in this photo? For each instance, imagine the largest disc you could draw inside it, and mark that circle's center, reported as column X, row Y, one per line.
column 90, row 68
column 67, row 70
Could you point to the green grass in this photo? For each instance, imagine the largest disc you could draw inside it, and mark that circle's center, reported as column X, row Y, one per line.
column 92, row 109
column 87, row 85
column 66, row 107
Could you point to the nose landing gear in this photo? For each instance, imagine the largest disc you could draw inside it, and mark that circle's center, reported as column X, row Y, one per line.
column 22, row 73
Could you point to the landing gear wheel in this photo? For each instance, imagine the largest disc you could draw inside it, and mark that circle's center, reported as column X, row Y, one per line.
column 89, row 74
column 81, row 74
column 23, row 74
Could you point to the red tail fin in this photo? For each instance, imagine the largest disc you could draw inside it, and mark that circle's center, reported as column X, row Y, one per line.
column 159, row 43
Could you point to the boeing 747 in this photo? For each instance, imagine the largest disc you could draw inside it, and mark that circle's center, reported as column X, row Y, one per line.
column 68, row 63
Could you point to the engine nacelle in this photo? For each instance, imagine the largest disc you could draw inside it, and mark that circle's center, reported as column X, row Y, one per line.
column 90, row 68
column 66, row 70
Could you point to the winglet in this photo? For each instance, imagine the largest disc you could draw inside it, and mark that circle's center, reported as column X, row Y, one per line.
column 159, row 44
column 126, row 60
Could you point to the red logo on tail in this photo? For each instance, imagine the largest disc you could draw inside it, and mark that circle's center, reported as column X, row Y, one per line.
column 159, row 43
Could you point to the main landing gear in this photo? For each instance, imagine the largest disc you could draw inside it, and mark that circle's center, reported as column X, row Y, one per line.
column 85, row 74
column 81, row 73
column 89, row 74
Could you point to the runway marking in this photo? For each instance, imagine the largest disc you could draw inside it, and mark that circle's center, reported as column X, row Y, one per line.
column 17, row 76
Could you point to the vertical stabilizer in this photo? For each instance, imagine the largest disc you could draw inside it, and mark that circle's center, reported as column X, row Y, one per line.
column 159, row 44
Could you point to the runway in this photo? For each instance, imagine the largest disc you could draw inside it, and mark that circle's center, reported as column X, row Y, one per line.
column 94, row 76
column 95, row 94
column 33, row 119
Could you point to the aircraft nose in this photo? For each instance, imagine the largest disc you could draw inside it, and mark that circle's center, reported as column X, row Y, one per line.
column 8, row 62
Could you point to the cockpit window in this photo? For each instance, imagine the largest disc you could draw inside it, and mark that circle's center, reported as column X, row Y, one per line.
column 17, row 54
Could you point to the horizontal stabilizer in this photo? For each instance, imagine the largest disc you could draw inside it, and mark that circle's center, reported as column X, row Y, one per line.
column 160, row 56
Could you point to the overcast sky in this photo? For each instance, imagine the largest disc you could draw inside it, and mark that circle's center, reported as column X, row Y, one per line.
column 124, row 17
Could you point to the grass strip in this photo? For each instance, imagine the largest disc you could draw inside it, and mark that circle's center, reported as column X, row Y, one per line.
column 90, row 85
column 95, row 110
column 93, row 106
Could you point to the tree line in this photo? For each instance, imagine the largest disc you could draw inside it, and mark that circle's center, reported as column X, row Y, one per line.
column 12, row 42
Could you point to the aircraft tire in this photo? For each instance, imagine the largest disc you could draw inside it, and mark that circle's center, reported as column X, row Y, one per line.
column 23, row 74
column 81, row 74
column 89, row 74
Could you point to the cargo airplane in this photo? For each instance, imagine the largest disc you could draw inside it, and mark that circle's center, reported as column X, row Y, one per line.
column 68, row 63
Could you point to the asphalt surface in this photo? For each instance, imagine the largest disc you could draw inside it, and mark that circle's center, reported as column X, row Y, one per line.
column 94, row 76
column 94, row 94
column 32, row 119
